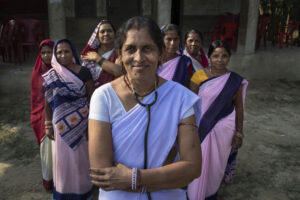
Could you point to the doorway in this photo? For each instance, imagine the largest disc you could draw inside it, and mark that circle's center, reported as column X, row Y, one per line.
column 118, row 11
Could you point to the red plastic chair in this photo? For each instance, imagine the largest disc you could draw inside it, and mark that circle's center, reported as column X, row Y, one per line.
column 263, row 22
column 218, row 30
column 30, row 34
column 7, row 40
column 287, row 33
column 230, row 33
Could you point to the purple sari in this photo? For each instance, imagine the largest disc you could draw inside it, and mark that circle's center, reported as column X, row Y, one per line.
column 216, row 130
column 178, row 69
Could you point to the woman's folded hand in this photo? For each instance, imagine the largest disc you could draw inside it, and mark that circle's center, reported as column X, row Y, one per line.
column 117, row 177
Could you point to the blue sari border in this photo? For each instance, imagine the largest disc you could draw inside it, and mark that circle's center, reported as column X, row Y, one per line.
column 221, row 107
column 71, row 196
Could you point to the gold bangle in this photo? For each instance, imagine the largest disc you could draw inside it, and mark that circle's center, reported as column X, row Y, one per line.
column 239, row 134
column 48, row 122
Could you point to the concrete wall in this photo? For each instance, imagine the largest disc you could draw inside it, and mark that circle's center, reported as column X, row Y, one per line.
column 210, row 7
column 268, row 64
column 79, row 30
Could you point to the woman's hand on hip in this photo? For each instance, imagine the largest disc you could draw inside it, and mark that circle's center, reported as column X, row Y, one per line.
column 112, row 178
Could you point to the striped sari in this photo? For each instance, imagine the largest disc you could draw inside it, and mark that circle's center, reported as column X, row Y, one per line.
column 216, row 130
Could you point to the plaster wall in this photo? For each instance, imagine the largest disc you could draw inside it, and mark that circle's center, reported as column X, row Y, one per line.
column 268, row 64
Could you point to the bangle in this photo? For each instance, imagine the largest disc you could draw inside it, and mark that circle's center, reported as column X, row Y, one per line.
column 48, row 122
column 239, row 134
column 101, row 61
column 134, row 178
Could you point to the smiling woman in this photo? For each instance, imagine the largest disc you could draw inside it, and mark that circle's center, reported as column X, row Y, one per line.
column 68, row 89
column 42, row 65
column 131, row 131
column 193, row 49
column 176, row 66
column 220, row 121
column 99, row 55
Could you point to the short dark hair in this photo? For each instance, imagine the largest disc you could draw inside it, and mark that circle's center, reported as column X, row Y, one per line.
column 217, row 44
column 193, row 31
column 170, row 27
column 138, row 23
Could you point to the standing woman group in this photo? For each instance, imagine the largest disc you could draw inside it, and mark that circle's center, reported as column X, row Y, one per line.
column 140, row 145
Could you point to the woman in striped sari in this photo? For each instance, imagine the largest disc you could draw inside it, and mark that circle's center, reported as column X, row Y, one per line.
column 220, row 119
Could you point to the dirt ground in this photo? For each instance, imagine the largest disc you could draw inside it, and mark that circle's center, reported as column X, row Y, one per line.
column 268, row 163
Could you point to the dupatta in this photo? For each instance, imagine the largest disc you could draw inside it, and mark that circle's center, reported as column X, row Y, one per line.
column 37, row 115
column 100, row 76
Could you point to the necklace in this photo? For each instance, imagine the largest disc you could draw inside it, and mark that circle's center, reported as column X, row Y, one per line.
column 132, row 88
column 210, row 71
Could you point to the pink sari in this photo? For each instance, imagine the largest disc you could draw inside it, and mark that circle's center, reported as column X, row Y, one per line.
column 215, row 139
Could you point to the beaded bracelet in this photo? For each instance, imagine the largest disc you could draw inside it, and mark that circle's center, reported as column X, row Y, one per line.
column 134, row 178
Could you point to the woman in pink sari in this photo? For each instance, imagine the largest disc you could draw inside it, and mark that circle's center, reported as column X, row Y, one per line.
column 220, row 120
column 68, row 90
column 99, row 54
column 176, row 66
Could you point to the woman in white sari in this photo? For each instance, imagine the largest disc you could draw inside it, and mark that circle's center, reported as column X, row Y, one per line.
column 137, row 119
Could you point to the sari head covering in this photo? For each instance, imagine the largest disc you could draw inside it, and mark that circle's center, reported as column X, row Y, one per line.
column 62, row 70
column 99, row 76
column 66, row 94
column 37, row 93
column 94, row 43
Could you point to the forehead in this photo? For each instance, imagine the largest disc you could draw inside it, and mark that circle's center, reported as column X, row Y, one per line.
column 63, row 45
column 193, row 35
column 139, row 37
column 171, row 34
column 46, row 48
column 105, row 27
column 220, row 50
